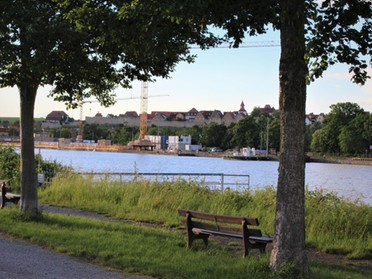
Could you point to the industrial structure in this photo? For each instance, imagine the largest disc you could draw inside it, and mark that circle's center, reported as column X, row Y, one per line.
column 141, row 142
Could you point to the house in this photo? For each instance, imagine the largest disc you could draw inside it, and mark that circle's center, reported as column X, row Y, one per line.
column 191, row 114
column 202, row 117
column 228, row 118
column 267, row 109
column 216, row 117
column 57, row 116
column 130, row 114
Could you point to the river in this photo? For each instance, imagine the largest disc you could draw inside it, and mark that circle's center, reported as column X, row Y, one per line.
column 348, row 181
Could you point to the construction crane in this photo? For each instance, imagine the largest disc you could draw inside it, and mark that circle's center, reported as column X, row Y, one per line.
column 143, row 110
column 248, row 44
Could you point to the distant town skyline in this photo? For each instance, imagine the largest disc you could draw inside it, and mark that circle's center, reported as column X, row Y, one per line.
column 219, row 79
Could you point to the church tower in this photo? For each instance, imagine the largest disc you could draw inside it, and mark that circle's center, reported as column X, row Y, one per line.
column 242, row 109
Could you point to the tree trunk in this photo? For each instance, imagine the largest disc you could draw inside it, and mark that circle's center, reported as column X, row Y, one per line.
column 29, row 202
column 289, row 238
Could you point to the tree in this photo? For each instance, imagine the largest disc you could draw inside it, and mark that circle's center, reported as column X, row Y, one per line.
column 345, row 130
column 274, row 134
column 342, row 113
column 82, row 48
column 246, row 133
column 213, row 135
column 337, row 31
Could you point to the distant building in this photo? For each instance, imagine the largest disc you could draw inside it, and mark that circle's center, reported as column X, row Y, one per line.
column 44, row 136
column 312, row 118
column 170, row 119
column 267, row 109
column 242, row 109
column 57, row 116
column 191, row 114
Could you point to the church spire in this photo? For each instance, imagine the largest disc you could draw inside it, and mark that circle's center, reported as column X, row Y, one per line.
column 242, row 109
column 242, row 106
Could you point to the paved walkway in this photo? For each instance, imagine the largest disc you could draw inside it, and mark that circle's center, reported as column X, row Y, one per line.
column 21, row 260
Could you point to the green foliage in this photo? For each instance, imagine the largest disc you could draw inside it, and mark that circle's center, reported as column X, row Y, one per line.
column 339, row 32
column 336, row 225
column 213, row 134
column 9, row 166
column 246, row 133
column 63, row 132
column 50, row 168
column 347, row 129
column 289, row 270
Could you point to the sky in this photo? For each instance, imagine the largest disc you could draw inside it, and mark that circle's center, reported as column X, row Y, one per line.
column 220, row 79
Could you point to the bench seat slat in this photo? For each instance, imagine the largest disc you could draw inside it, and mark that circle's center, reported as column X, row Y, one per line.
column 223, row 229
column 263, row 239
column 198, row 231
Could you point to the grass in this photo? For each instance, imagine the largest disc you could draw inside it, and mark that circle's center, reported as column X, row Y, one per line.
column 157, row 202
column 151, row 251
column 332, row 224
column 130, row 248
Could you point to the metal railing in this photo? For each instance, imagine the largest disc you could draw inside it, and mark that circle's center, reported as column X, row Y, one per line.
column 214, row 181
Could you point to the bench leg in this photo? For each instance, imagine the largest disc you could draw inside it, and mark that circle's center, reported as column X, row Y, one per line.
column 3, row 201
column 191, row 237
column 205, row 238
column 262, row 248
column 190, row 240
column 246, row 247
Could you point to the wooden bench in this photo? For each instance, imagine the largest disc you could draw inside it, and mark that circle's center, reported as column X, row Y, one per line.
column 6, row 196
column 200, row 225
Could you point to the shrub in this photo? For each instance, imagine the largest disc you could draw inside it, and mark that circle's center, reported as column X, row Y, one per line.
column 10, row 167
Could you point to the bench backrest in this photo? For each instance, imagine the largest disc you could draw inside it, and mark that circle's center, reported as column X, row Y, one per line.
column 220, row 223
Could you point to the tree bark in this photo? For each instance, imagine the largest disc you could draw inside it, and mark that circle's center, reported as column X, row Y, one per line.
column 29, row 201
column 289, row 238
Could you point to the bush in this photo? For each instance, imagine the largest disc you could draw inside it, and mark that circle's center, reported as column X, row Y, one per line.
column 10, row 167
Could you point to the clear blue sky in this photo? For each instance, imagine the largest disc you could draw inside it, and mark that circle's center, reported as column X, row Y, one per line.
column 219, row 79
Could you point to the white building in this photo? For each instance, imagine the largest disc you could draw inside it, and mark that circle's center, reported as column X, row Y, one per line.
column 178, row 143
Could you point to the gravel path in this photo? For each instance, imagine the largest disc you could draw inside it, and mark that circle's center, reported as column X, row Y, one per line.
column 21, row 260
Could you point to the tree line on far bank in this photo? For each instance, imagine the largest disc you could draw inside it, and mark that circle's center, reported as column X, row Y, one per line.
column 346, row 130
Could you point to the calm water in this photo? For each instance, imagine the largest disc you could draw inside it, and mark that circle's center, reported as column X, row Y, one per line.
column 350, row 181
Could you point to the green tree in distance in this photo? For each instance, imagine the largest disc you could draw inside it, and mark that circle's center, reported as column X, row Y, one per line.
column 346, row 130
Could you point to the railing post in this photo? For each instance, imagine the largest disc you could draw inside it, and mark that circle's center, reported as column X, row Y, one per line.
column 222, row 182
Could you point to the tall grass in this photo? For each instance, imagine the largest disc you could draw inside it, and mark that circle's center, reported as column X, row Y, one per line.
column 338, row 226
column 332, row 224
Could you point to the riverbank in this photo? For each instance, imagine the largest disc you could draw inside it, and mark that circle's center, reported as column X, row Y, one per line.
column 226, row 154
column 334, row 160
